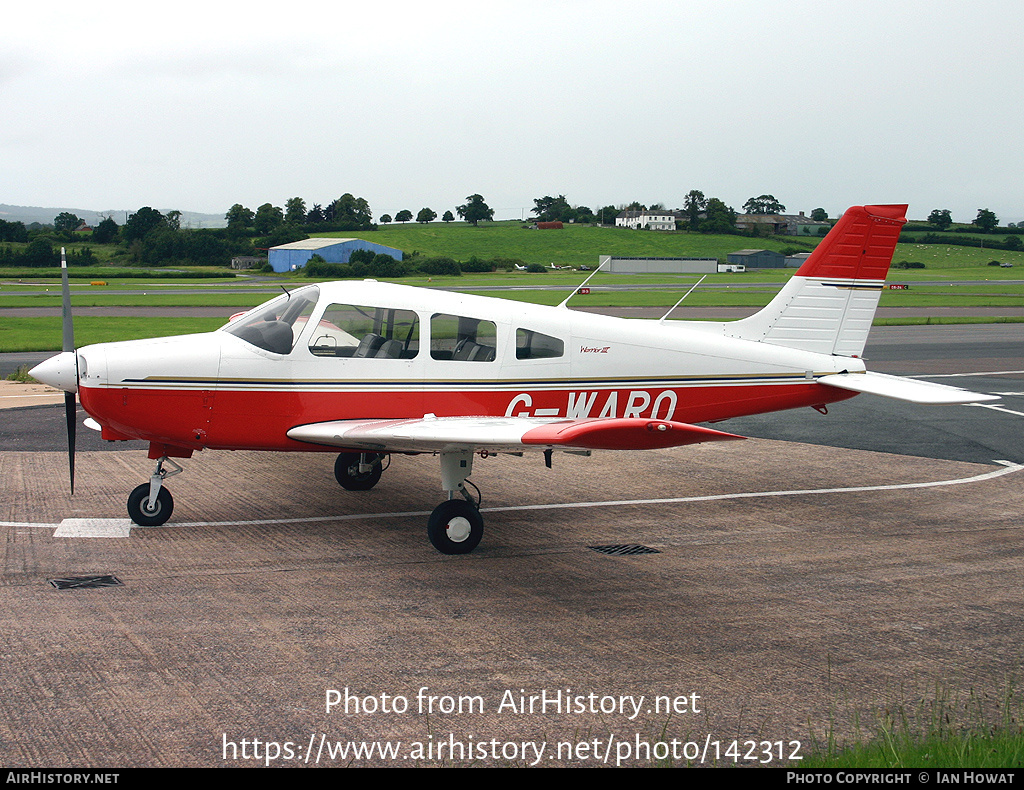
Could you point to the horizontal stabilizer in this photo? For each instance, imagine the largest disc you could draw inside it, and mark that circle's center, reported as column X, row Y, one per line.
column 505, row 434
column 903, row 389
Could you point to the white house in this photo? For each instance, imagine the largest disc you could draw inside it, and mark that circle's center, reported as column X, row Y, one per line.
column 646, row 220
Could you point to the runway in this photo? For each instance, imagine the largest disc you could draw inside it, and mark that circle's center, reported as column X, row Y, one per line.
column 790, row 586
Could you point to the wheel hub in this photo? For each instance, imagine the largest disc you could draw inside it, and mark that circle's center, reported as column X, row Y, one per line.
column 458, row 529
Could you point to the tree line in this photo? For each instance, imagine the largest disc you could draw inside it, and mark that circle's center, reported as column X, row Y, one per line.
column 154, row 238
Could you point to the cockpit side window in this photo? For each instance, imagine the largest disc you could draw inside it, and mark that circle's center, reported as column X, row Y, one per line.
column 462, row 338
column 366, row 332
column 276, row 325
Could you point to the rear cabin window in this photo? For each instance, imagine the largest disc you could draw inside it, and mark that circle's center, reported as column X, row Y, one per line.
column 366, row 332
column 462, row 339
column 535, row 345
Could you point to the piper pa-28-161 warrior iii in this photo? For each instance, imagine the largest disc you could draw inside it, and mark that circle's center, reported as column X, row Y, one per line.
column 375, row 369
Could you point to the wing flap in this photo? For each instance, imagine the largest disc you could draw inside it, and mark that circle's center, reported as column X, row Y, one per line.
column 509, row 434
column 900, row 388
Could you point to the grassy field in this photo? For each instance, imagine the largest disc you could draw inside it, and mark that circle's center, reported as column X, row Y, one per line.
column 576, row 245
column 573, row 245
column 44, row 334
column 940, row 284
column 939, row 727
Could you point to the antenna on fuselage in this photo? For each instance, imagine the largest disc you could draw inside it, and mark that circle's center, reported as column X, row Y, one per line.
column 662, row 319
column 576, row 290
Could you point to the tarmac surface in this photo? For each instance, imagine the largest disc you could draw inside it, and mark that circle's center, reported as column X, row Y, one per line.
column 794, row 586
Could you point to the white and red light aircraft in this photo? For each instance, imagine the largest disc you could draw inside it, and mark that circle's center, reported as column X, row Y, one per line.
column 373, row 369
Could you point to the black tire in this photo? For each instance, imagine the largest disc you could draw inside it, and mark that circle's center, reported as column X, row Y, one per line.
column 141, row 514
column 455, row 527
column 346, row 472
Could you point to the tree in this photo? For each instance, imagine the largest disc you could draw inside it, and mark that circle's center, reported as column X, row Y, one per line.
column 350, row 210
column 764, row 204
column 66, row 222
column 940, row 218
column 105, row 232
column 315, row 215
column 720, row 218
column 173, row 220
column 475, row 209
column 403, row 216
column 267, row 218
column 584, row 214
column 448, row 217
column 694, row 204
column 385, row 219
column 40, row 253
column 142, row 223
column 295, row 211
column 551, row 209
column 13, row 231
column 606, row 215
column 426, row 215
column 986, row 220
column 239, row 217
column 282, row 234
column 819, row 215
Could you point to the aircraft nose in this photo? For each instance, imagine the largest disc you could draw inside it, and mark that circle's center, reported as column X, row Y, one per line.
column 60, row 371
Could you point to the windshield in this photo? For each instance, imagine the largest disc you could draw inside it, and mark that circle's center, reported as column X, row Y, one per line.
column 276, row 325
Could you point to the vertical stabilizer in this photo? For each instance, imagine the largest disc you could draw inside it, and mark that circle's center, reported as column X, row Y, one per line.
column 829, row 304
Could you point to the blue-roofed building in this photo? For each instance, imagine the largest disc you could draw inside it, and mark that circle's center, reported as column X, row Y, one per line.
column 288, row 257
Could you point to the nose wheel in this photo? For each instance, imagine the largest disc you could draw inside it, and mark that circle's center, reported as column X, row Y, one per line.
column 150, row 504
column 149, row 515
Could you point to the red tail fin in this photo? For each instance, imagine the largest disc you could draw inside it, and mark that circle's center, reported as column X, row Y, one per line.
column 860, row 246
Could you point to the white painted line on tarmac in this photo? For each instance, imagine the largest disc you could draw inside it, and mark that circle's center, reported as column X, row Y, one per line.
column 962, row 375
column 111, row 525
column 996, row 408
column 1008, row 469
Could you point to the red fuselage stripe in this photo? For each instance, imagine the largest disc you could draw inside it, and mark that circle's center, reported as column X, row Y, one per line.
column 248, row 420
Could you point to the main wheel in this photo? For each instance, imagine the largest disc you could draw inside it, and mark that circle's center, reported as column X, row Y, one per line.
column 455, row 527
column 142, row 514
column 346, row 472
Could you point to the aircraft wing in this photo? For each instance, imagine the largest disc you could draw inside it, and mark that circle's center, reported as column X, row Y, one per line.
column 903, row 389
column 505, row 434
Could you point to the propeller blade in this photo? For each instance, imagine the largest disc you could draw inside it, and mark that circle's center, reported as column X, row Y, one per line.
column 69, row 415
column 67, row 326
column 68, row 342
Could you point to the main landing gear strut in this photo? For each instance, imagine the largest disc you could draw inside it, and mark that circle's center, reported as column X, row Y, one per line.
column 456, row 526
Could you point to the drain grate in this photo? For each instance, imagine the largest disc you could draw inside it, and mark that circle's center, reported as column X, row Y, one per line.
column 623, row 549
column 85, row 582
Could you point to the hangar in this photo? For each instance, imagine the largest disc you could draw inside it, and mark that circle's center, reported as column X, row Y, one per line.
column 758, row 259
column 286, row 257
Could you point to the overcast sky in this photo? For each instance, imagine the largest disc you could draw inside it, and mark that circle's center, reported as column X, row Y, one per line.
column 200, row 105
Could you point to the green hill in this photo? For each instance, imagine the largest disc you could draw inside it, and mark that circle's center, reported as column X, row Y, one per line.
column 573, row 245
